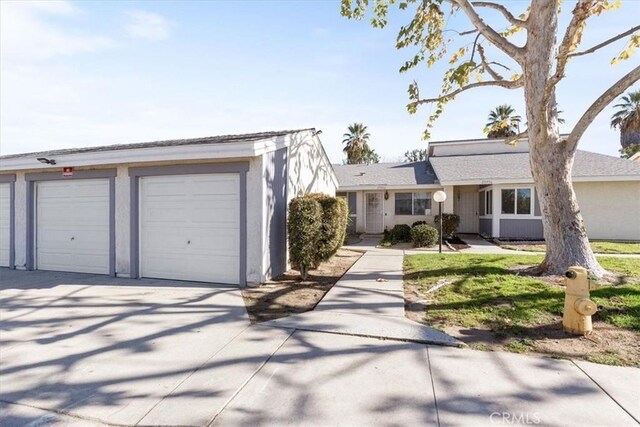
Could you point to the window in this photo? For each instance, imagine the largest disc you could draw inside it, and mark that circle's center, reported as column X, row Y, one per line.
column 488, row 202
column 418, row 203
column 516, row 201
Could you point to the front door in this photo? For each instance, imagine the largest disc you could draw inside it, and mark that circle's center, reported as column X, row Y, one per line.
column 468, row 209
column 374, row 223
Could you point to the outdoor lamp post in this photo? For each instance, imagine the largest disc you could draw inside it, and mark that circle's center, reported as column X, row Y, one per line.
column 440, row 196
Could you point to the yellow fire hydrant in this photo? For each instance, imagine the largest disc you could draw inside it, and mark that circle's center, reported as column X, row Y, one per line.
column 578, row 308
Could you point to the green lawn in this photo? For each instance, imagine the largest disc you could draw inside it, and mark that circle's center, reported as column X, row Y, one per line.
column 600, row 247
column 485, row 291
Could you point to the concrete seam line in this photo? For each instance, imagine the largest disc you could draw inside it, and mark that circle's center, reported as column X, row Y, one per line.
column 433, row 386
column 605, row 391
column 191, row 374
column 248, row 380
column 59, row 412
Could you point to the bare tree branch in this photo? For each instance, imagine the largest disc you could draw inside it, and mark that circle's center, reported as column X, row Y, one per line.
column 599, row 104
column 489, row 33
column 606, row 42
column 507, row 84
column 493, row 73
column 512, row 19
column 580, row 14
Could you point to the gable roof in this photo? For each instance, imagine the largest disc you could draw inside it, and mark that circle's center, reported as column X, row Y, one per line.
column 515, row 166
column 220, row 139
column 385, row 174
column 477, row 169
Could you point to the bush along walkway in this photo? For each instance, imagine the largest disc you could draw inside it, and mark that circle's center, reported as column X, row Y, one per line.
column 368, row 301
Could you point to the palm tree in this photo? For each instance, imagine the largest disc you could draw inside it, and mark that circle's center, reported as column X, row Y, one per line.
column 627, row 119
column 356, row 142
column 502, row 123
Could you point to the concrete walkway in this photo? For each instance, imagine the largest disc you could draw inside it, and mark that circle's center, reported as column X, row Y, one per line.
column 368, row 302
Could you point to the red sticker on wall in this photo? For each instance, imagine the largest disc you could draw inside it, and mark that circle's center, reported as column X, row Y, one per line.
column 68, row 171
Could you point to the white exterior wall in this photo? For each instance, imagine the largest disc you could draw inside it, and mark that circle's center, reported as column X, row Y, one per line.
column 123, row 221
column 482, row 147
column 256, row 230
column 610, row 209
column 390, row 217
column 309, row 168
column 21, row 221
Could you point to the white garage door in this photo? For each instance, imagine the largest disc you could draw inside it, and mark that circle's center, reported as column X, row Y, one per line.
column 4, row 225
column 72, row 225
column 190, row 227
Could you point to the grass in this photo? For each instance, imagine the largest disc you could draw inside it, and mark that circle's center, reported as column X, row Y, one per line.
column 599, row 247
column 487, row 292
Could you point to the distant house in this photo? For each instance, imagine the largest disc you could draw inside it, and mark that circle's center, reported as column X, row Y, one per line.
column 489, row 185
column 207, row 209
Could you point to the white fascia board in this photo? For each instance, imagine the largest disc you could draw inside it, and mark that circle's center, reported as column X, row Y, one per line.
column 344, row 188
column 150, row 154
column 530, row 180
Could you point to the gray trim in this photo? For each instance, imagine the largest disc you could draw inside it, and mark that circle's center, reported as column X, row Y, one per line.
column 185, row 169
column 11, row 180
column 486, row 227
column 81, row 174
column 525, row 228
column 277, row 214
column 32, row 178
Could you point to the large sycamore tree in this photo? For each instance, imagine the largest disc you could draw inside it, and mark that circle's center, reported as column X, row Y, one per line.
column 538, row 62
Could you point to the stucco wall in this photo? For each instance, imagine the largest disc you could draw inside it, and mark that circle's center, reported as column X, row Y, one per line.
column 479, row 148
column 309, row 168
column 610, row 209
column 390, row 218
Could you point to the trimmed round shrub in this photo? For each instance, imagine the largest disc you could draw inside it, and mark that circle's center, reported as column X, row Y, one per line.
column 418, row 223
column 423, row 235
column 333, row 229
column 304, row 229
column 401, row 233
column 450, row 223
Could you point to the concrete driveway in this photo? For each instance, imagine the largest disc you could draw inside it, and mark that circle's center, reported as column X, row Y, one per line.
column 109, row 349
column 92, row 350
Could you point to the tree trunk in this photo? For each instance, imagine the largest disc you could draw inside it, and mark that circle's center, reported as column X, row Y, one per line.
column 550, row 158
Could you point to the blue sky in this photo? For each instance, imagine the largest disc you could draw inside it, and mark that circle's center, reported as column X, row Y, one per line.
column 92, row 73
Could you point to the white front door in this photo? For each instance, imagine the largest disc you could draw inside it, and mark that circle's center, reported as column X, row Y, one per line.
column 72, row 225
column 468, row 209
column 190, row 227
column 374, row 211
column 5, row 225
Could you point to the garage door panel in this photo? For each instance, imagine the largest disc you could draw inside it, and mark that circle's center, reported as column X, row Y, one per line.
column 72, row 226
column 190, row 227
column 5, row 224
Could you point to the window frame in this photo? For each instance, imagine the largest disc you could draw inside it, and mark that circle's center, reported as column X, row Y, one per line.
column 515, row 214
column 427, row 212
column 487, row 211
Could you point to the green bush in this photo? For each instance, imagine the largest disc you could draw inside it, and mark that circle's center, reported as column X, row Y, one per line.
column 401, row 233
column 450, row 223
column 304, row 229
column 333, row 230
column 423, row 235
column 418, row 223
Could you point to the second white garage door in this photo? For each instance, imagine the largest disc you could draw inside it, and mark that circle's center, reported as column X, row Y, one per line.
column 190, row 227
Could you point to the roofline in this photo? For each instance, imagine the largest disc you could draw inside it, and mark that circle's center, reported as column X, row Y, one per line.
column 499, row 181
column 478, row 140
column 374, row 187
column 214, row 150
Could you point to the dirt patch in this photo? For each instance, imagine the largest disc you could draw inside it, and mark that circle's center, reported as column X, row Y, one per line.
column 607, row 344
column 289, row 294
